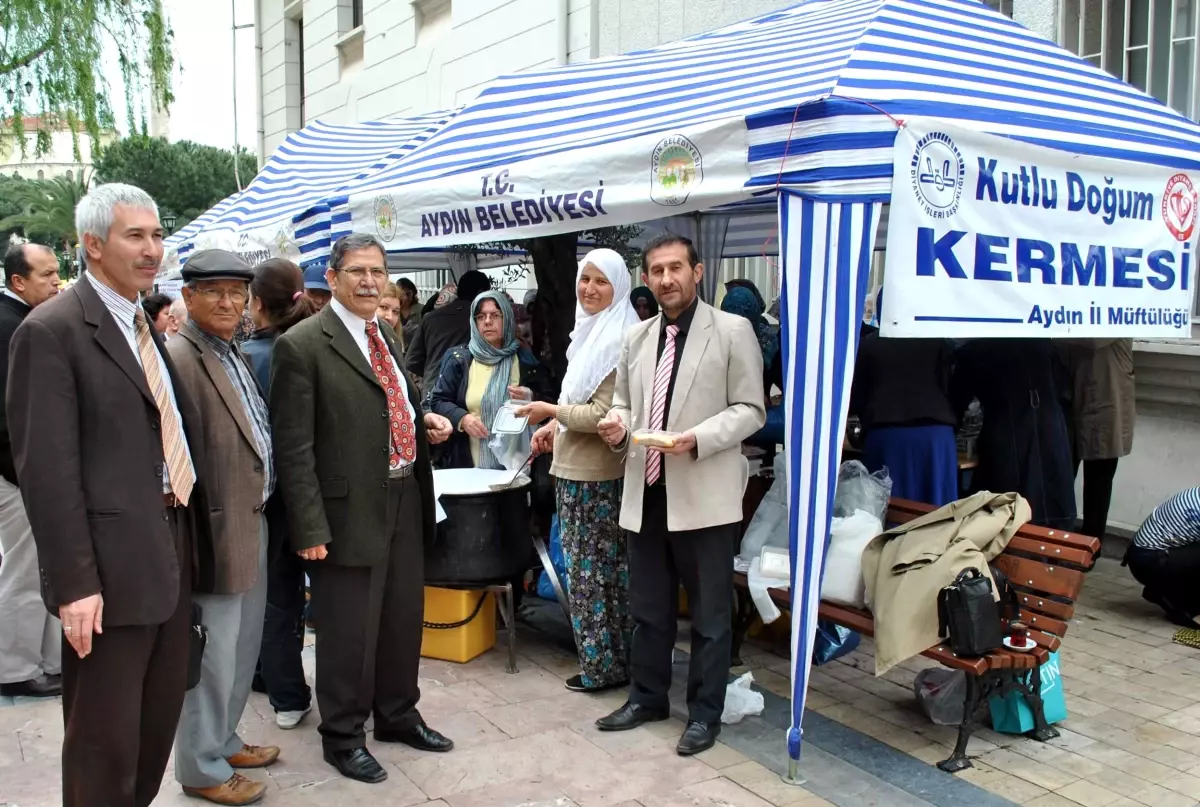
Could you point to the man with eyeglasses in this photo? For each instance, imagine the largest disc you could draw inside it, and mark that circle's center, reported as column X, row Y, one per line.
column 241, row 477
column 354, row 470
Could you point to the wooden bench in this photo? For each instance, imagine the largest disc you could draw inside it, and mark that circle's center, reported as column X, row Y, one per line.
column 1046, row 567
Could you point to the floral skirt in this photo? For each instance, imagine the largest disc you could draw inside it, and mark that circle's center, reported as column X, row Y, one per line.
column 597, row 560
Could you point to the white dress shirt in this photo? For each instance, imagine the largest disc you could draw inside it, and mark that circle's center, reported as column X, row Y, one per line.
column 123, row 312
column 358, row 330
column 10, row 293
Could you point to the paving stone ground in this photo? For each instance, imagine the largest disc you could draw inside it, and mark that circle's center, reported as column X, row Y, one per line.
column 1133, row 737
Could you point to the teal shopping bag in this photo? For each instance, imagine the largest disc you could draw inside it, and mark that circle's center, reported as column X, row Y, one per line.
column 1012, row 715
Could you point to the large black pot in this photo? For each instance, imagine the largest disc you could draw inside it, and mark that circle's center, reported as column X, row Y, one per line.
column 484, row 538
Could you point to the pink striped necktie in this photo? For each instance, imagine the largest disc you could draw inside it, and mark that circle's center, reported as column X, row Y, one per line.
column 658, row 411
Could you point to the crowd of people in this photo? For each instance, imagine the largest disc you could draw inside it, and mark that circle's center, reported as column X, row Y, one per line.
column 174, row 484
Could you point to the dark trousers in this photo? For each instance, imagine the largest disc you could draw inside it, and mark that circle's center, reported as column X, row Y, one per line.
column 658, row 561
column 1170, row 577
column 121, row 704
column 1097, row 495
column 369, row 622
column 283, row 634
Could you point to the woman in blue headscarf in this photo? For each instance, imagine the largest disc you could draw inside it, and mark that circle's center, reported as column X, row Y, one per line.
column 744, row 300
column 475, row 379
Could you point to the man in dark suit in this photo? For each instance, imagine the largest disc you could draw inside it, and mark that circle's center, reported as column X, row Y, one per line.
column 30, row 639
column 358, row 488
column 444, row 328
column 106, row 445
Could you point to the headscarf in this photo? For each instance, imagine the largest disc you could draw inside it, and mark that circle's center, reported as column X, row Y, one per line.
column 596, row 341
column 643, row 293
column 447, row 295
column 501, row 360
column 743, row 302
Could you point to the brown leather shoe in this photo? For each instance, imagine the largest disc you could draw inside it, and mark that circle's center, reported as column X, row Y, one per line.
column 238, row 790
column 255, row 756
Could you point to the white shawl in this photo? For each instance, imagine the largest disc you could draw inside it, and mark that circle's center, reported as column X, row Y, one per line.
column 596, row 341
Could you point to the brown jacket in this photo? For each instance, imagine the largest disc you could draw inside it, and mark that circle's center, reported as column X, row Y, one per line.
column 1104, row 406
column 234, row 470
column 87, row 444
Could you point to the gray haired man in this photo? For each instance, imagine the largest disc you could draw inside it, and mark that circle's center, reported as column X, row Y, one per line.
column 106, row 444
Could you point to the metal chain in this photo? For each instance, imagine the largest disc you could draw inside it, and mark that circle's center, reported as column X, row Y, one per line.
column 461, row 622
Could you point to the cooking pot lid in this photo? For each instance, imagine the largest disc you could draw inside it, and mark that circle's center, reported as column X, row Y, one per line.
column 472, row 481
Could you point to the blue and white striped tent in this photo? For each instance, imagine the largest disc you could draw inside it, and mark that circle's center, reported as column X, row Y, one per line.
column 284, row 210
column 802, row 103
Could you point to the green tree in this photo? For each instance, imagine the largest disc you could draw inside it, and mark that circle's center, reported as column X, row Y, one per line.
column 46, row 210
column 50, row 63
column 184, row 177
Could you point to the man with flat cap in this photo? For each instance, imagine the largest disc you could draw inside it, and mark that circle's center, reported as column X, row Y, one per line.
column 240, row 472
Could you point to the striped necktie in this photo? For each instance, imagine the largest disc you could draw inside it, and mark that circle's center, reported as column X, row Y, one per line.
column 658, row 410
column 179, row 467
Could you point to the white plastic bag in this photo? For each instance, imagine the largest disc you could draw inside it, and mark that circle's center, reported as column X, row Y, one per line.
column 769, row 525
column 741, row 700
column 858, row 489
column 848, row 537
column 941, row 694
column 510, row 449
column 758, row 583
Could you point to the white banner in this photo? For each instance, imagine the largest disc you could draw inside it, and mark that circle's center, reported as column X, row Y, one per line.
column 618, row 183
column 254, row 246
column 993, row 237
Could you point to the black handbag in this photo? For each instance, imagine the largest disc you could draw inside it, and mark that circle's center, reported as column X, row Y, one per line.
column 969, row 616
column 197, row 639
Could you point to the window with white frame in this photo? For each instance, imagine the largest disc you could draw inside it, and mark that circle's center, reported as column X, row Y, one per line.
column 1150, row 44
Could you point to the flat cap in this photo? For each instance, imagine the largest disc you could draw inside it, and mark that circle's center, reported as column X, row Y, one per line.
column 216, row 264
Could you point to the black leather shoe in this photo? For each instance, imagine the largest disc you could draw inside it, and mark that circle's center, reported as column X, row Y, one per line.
column 44, row 686
column 630, row 716
column 697, row 737
column 420, row 737
column 357, row 764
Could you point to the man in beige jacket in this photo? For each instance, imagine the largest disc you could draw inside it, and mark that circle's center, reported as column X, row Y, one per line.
column 696, row 373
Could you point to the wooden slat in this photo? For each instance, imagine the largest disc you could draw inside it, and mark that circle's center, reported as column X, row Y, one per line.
column 1046, row 624
column 1054, row 553
column 851, row 618
column 944, row 656
column 1041, row 578
column 1043, row 604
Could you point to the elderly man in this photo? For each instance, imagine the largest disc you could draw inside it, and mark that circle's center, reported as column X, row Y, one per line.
column 358, row 488
column 237, row 441
column 106, row 444
column 696, row 372
column 178, row 317
column 30, row 639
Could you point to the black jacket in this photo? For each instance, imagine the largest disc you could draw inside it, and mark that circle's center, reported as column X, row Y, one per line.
column 902, row 382
column 12, row 314
column 448, row 398
column 439, row 331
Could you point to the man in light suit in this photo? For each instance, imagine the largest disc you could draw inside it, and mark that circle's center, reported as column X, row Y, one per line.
column 696, row 372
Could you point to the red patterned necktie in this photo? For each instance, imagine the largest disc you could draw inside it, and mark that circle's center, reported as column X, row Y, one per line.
column 658, row 411
column 403, row 446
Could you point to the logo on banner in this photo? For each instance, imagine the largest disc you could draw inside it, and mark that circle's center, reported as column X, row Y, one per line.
column 938, row 171
column 676, row 169
column 386, row 219
column 1179, row 207
column 284, row 243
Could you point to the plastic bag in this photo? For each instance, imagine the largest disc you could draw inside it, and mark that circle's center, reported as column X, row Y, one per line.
column 842, row 581
column 858, row 489
column 741, row 700
column 510, row 449
column 941, row 694
column 832, row 641
column 769, row 525
column 758, row 583
column 558, row 560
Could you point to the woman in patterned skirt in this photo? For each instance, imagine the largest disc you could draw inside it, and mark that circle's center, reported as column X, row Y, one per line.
column 589, row 474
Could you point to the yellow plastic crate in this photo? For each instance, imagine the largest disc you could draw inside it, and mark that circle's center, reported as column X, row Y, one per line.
column 460, row 644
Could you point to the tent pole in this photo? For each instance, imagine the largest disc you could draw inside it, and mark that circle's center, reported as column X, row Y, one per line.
column 793, row 776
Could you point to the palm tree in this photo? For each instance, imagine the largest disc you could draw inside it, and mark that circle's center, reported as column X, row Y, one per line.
column 47, row 209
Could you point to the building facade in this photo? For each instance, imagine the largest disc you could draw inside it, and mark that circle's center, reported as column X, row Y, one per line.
column 59, row 161
column 355, row 60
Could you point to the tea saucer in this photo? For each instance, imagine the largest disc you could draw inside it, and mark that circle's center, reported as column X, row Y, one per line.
column 1029, row 645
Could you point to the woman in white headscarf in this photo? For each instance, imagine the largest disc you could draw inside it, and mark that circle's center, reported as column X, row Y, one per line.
column 589, row 475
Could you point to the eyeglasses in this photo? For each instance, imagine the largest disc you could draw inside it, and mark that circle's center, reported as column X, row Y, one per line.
column 490, row 316
column 214, row 295
column 358, row 273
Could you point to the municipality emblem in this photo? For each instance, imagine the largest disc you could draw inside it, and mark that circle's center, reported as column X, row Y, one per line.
column 385, row 217
column 1179, row 207
column 676, row 169
column 937, row 172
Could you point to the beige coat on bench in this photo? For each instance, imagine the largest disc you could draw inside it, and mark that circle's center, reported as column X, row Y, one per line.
column 905, row 568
